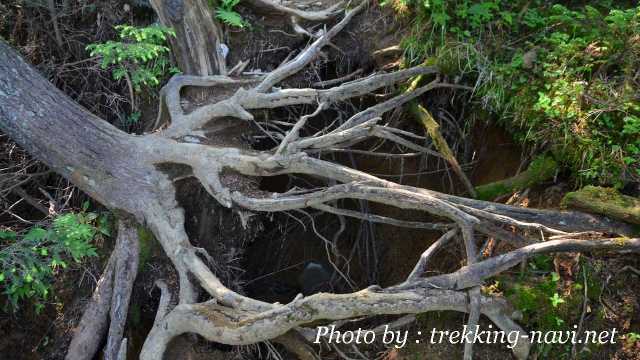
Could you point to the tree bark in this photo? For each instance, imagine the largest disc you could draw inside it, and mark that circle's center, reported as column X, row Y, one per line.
column 93, row 325
column 76, row 144
column 197, row 45
column 109, row 165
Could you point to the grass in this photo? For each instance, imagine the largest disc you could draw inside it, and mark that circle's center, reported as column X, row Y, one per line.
column 560, row 79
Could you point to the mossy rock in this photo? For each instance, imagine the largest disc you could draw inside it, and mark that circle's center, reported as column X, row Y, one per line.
column 605, row 201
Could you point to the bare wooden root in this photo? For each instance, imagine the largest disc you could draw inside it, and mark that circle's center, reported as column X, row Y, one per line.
column 95, row 320
column 126, row 270
column 106, row 313
column 122, row 171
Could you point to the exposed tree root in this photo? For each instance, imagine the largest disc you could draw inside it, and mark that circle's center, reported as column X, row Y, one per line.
column 95, row 320
column 605, row 201
column 319, row 15
column 126, row 270
column 106, row 313
column 124, row 172
column 225, row 325
column 432, row 128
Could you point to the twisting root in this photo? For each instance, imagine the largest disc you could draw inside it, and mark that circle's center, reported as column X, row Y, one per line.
column 320, row 15
column 231, row 318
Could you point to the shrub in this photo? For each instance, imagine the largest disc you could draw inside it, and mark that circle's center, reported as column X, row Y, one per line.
column 141, row 56
column 30, row 261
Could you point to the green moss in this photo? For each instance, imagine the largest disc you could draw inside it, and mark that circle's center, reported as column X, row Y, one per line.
column 605, row 201
column 542, row 168
column 492, row 191
column 609, row 195
column 148, row 246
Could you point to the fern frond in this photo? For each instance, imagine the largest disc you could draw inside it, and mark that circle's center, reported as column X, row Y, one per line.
column 230, row 17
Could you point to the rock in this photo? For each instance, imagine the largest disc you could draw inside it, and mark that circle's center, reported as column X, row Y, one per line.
column 315, row 278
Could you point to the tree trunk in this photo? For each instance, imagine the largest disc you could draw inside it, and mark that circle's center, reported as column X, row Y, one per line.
column 113, row 167
column 78, row 145
column 197, row 45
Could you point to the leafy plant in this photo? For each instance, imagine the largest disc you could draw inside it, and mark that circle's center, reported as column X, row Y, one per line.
column 549, row 304
column 556, row 300
column 29, row 261
column 141, row 56
column 559, row 78
column 228, row 15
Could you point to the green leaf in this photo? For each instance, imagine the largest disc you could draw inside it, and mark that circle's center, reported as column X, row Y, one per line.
column 36, row 234
column 7, row 235
column 556, row 300
column 39, row 307
column 230, row 17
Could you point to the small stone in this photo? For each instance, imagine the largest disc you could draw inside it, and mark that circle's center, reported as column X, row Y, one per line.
column 223, row 49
